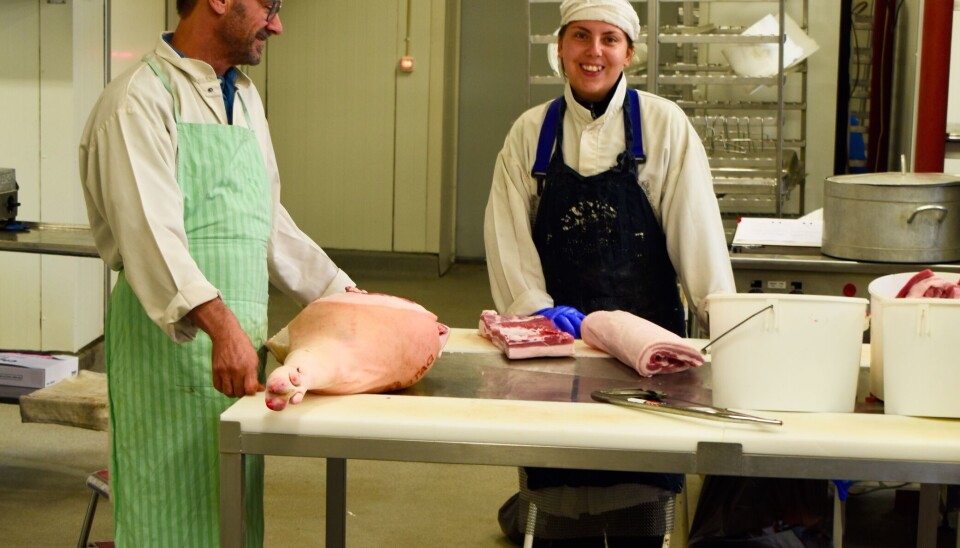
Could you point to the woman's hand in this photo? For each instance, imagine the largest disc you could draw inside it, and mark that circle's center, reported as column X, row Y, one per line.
column 566, row 318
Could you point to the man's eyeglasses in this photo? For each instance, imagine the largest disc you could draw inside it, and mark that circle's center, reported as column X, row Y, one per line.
column 273, row 8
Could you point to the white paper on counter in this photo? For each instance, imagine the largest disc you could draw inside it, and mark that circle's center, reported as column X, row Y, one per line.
column 795, row 232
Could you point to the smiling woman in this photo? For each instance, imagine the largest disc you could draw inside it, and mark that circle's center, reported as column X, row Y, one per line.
column 593, row 55
column 599, row 199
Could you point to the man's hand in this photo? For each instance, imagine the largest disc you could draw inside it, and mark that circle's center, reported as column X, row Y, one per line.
column 234, row 361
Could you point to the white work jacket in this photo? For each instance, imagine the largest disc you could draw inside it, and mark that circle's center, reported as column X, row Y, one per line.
column 676, row 178
column 128, row 166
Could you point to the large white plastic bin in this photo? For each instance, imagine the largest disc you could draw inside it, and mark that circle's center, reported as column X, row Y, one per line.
column 801, row 355
column 913, row 350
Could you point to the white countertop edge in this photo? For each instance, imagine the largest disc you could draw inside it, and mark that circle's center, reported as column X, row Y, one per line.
column 592, row 425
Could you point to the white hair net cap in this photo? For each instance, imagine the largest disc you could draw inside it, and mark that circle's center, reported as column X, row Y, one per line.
column 616, row 12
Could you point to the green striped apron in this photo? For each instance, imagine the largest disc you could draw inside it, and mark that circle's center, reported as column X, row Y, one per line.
column 164, row 411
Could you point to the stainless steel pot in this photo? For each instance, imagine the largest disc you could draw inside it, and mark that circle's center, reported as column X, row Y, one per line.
column 892, row 217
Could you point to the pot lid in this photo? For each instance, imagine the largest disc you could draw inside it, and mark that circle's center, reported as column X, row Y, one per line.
column 897, row 179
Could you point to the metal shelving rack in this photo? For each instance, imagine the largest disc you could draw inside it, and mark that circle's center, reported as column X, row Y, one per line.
column 755, row 163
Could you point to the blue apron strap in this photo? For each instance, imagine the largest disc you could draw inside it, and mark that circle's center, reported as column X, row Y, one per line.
column 548, row 134
column 638, row 153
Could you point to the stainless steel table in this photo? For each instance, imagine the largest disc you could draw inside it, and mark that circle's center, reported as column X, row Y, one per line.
column 806, row 270
column 476, row 407
column 56, row 239
column 50, row 239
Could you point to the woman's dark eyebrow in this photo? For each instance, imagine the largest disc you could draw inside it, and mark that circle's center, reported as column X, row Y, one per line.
column 574, row 26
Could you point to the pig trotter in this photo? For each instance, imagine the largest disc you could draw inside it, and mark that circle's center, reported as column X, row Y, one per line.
column 284, row 386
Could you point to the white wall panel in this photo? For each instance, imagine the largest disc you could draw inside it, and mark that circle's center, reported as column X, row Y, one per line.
column 20, row 99
column 59, row 184
column 136, row 26
column 53, row 70
column 951, row 165
column 410, row 163
column 20, row 301
column 61, row 198
column 331, row 101
column 424, row 99
column 953, row 100
column 822, row 70
column 444, row 121
column 19, row 138
column 70, row 288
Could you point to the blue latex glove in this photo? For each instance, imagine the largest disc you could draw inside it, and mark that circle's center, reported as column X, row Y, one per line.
column 566, row 318
column 843, row 488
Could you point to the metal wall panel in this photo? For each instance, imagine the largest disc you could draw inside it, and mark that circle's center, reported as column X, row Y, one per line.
column 493, row 93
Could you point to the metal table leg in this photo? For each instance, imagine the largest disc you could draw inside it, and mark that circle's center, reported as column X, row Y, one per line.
column 336, row 503
column 838, row 515
column 928, row 514
column 232, row 530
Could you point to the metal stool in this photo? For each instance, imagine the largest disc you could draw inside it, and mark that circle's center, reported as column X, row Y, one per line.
column 99, row 482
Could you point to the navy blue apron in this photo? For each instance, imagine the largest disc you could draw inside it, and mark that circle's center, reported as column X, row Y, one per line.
column 602, row 248
column 599, row 241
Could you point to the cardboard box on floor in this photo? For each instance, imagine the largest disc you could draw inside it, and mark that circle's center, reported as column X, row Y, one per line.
column 26, row 370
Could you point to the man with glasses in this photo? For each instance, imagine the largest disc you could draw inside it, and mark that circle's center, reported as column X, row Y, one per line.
column 182, row 192
column 275, row 6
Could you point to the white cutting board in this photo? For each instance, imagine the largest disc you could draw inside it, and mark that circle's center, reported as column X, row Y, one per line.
column 594, row 425
column 486, row 421
column 463, row 340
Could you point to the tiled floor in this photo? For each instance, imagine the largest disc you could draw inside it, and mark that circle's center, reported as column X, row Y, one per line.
column 43, row 468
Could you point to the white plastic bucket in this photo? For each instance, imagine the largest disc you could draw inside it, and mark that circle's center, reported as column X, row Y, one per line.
column 913, row 365
column 803, row 354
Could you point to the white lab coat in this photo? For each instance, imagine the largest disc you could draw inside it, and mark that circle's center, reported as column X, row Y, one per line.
column 676, row 179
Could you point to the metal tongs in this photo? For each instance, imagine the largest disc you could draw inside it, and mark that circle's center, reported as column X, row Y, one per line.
column 654, row 400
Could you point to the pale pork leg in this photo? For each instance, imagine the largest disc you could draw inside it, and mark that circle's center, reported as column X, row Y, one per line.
column 353, row 343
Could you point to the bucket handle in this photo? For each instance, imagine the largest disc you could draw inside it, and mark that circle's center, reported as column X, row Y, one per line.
column 939, row 209
column 773, row 323
column 743, row 321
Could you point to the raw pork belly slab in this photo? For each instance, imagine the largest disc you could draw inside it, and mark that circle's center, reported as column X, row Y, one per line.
column 639, row 343
column 520, row 337
column 926, row 284
column 352, row 343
